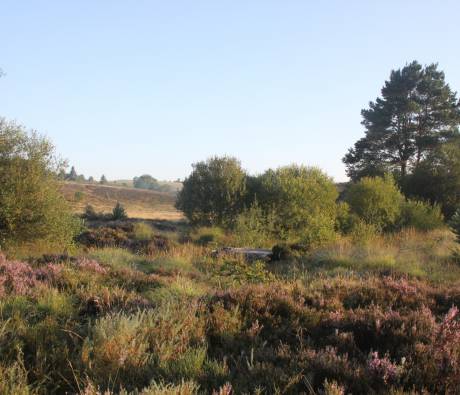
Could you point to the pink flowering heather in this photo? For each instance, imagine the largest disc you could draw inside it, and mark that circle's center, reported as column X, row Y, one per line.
column 382, row 368
column 16, row 277
column 91, row 265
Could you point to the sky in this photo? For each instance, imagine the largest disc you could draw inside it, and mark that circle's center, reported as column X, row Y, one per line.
column 125, row 88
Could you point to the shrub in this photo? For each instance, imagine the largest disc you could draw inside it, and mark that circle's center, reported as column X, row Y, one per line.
column 420, row 215
column 303, row 200
column 254, row 228
column 142, row 231
column 208, row 235
column 213, row 194
column 32, row 208
column 78, row 196
column 118, row 212
column 376, row 200
column 455, row 224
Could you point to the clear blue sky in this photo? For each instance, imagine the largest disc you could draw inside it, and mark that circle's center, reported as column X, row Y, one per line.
column 131, row 87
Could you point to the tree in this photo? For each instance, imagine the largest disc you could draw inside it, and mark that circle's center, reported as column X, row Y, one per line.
column 437, row 178
column 302, row 200
column 213, row 193
column 146, row 181
column 31, row 206
column 417, row 112
column 90, row 179
column 376, row 200
column 103, row 180
column 72, row 176
column 118, row 212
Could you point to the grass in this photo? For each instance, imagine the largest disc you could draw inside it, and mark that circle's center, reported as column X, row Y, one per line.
column 368, row 317
column 139, row 203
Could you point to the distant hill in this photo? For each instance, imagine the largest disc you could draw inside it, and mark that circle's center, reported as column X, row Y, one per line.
column 139, row 203
column 170, row 186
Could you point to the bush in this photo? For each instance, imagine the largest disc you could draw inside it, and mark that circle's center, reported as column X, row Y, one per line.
column 208, row 235
column 32, row 208
column 420, row 215
column 455, row 224
column 118, row 212
column 213, row 194
column 303, row 200
column 376, row 200
column 254, row 228
column 142, row 231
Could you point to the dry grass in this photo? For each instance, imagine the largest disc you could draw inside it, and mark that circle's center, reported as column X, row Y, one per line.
column 138, row 203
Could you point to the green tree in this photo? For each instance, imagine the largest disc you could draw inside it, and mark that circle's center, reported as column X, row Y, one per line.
column 72, row 176
column 146, row 181
column 103, row 180
column 303, row 201
column 437, row 178
column 376, row 200
column 31, row 206
column 213, row 193
column 417, row 111
column 119, row 212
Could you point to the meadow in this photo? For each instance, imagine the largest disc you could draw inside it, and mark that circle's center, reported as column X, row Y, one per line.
column 146, row 308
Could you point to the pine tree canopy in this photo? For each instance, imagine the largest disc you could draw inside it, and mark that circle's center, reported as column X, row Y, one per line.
column 415, row 113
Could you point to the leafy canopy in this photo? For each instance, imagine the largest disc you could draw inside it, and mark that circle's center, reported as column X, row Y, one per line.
column 213, row 193
column 417, row 112
column 31, row 206
column 302, row 200
column 376, row 200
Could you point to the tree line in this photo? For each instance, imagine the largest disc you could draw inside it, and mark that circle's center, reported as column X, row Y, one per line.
column 405, row 172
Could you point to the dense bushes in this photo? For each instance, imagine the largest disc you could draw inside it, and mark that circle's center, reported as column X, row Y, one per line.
column 213, row 194
column 32, row 210
column 303, row 202
column 376, row 200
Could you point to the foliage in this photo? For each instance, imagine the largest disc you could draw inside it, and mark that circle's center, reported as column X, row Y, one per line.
column 302, row 202
column 420, row 215
column 146, row 181
column 254, row 228
column 213, row 193
column 416, row 112
column 208, row 235
column 344, row 318
column 437, row 178
column 455, row 224
column 376, row 200
column 142, row 231
column 103, row 180
column 31, row 206
column 119, row 212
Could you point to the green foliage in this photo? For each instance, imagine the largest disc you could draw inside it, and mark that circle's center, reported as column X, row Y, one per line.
column 420, row 215
column 302, row 201
column 31, row 207
column 142, row 231
column 416, row 112
column 208, row 235
column 254, row 228
column 437, row 178
column 376, row 200
column 213, row 193
column 146, row 181
column 103, row 180
column 119, row 212
column 455, row 224
column 78, row 196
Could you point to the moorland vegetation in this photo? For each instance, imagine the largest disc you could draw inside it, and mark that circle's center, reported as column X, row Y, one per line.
column 360, row 295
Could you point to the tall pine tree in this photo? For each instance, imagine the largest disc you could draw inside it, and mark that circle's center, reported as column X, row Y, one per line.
column 417, row 112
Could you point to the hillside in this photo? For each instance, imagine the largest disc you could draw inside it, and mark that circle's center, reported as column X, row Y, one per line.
column 139, row 203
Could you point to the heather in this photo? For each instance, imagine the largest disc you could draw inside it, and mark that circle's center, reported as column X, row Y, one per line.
column 346, row 317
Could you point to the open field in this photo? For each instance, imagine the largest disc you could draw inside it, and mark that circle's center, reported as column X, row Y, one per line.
column 139, row 203
column 140, row 312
